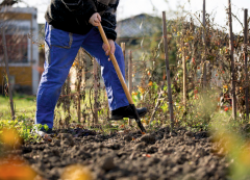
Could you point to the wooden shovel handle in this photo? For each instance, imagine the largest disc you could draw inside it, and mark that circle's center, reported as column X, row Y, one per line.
column 116, row 66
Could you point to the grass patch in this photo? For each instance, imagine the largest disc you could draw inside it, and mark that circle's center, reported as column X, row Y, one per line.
column 24, row 105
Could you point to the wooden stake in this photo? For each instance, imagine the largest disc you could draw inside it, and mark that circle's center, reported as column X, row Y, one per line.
column 184, row 78
column 170, row 99
column 95, row 91
column 123, row 46
column 130, row 71
column 6, row 60
column 245, row 58
column 204, row 43
column 78, row 88
column 231, row 47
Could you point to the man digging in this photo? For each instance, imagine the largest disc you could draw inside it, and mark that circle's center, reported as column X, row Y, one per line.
column 71, row 24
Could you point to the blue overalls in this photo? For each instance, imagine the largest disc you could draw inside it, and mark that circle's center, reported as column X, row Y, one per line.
column 61, row 48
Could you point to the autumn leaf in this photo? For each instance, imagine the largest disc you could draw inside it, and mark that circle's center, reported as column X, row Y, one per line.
column 16, row 170
column 76, row 172
column 10, row 138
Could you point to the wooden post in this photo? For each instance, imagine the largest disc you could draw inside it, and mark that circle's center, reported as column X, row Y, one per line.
column 204, row 20
column 204, row 43
column 6, row 60
column 95, row 91
column 79, row 79
column 123, row 46
column 31, row 40
column 231, row 47
column 184, row 78
column 245, row 58
column 130, row 71
column 170, row 99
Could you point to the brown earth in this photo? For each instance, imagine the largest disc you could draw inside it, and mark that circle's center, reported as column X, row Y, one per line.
column 159, row 155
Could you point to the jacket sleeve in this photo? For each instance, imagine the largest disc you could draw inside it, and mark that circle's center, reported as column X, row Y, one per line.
column 77, row 6
column 109, row 20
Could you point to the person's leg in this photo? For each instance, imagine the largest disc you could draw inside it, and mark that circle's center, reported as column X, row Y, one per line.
column 60, row 51
column 116, row 96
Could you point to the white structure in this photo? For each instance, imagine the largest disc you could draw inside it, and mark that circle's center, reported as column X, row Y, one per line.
column 21, row 31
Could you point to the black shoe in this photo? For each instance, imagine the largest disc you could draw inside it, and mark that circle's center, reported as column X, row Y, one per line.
column 127, row 112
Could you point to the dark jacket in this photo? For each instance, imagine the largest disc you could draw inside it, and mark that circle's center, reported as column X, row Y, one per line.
column 73, row 15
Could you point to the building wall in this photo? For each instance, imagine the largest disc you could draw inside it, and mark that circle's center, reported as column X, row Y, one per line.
column 22, row 75
column 24, row 21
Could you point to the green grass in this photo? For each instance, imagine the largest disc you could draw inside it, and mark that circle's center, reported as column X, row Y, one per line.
column 25, row 106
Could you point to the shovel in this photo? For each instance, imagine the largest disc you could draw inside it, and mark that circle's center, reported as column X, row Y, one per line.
column 120, row 76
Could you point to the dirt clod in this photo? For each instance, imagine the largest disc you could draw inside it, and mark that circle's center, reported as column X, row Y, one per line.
column 148, row 138
column 107, row 163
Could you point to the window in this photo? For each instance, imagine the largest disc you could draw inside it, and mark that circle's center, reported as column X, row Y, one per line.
column 17, row 48
column 17, row 41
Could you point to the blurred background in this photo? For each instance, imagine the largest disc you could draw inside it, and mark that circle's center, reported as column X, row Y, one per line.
column 139, row 27
column 135, row 22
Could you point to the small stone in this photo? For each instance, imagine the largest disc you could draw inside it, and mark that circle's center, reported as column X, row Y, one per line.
column 189, row 177
column 107, row 163
column 66, row 139
column 127, row 138
column 63, row 136
column 140, row 146
column 56, row 142
column 168, row 151
column 67, row 142
column 148, row 138
column 172, row 134
column 189, row 134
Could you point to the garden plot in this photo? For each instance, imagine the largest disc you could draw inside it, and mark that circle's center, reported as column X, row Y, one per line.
column 159, row 155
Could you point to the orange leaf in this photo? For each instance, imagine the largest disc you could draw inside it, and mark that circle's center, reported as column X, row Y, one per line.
column 77, row 172
column 10, row 137
column 15, row 170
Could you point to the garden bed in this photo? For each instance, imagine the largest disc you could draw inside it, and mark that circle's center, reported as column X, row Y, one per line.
column 161, row 154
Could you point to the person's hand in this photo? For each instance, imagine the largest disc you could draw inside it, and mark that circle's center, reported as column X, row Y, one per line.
column 95, row 19
column 112, row 47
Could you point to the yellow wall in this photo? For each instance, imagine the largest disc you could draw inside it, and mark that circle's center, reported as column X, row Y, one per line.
column 23, row 75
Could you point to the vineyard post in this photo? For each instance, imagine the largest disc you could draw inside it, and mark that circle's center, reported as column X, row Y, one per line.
column 170, row 105
column 245, row 58
column 184, row 77
column 79, row 90
column 231, row 47
column 95, row 92
column 204, row 43
column 123, row 46
column 130, row 70
column 6, row 60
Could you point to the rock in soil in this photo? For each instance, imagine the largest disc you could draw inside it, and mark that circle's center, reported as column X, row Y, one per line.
column 107, row 163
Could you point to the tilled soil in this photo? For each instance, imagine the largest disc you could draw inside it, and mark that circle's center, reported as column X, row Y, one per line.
column 160, row 155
